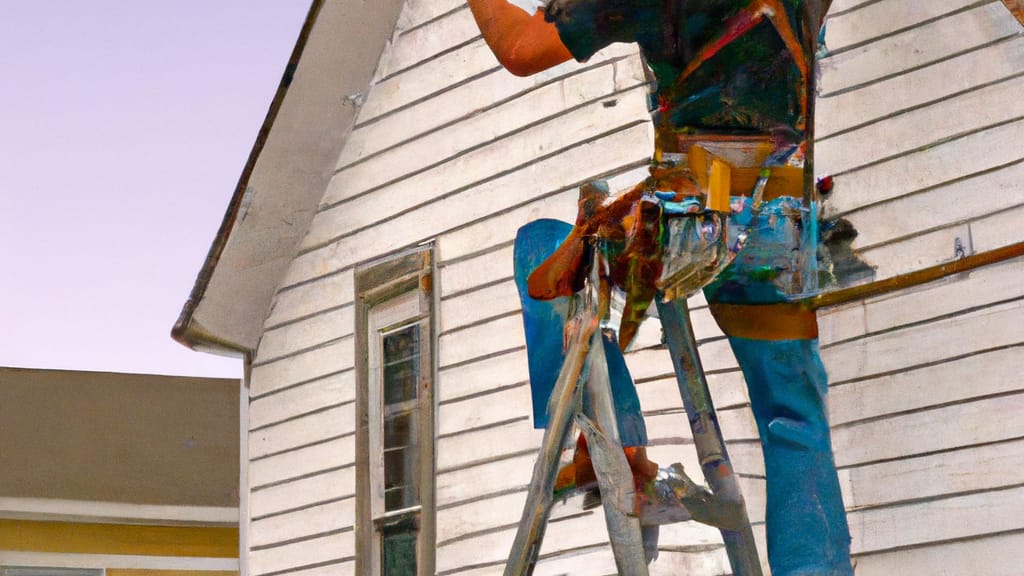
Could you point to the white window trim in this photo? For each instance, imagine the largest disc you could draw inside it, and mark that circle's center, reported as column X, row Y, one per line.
column 393, row 294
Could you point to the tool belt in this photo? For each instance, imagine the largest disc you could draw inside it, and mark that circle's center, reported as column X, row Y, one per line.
column 724, row 167
column 671, row 233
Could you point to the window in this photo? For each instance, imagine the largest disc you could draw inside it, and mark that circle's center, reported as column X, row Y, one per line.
column 395, row 406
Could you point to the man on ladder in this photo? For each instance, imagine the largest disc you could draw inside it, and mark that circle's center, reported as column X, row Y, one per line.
column 735, row 119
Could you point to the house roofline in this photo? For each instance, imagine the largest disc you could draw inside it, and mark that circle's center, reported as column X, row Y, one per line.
column 186, row 331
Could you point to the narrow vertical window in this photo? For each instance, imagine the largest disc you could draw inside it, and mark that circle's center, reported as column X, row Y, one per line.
column 395, row 407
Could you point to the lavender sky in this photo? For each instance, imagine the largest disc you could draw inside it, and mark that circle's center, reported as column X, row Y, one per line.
column 124, row 126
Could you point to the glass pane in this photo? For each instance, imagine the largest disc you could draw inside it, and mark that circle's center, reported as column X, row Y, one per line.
column 399, row 498
column 400, row 418
column 398, row 549
column 400, row 381
column 402, row 344
column 401, row 430
column 401, row 365
column 400, row 486
column 394, row 467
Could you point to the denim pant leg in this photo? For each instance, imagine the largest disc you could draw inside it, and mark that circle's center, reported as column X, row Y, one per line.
column 806, row 520
column 805, row 517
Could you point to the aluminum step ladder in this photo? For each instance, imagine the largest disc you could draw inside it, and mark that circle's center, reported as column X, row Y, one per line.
column 678, row 497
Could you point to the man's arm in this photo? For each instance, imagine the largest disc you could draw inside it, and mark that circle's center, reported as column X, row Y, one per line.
column 523, row 44
column 1016, row 8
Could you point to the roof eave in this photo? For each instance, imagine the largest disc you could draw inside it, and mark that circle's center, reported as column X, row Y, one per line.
column 286, row 174
column 186, row 331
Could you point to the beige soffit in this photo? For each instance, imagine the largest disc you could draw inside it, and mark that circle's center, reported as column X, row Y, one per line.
column 287, row 172
column 118, row 445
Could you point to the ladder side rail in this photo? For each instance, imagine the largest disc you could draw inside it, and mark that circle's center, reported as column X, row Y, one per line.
column 707, row 435
column 562, row 407
column 614, row 477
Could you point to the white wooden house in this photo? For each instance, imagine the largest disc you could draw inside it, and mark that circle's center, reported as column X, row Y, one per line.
column 380, row 203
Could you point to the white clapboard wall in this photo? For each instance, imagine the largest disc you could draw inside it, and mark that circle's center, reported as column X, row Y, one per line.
column 451, row 148
column 921, row 120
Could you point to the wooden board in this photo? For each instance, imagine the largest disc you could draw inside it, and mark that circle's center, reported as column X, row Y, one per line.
column 308, row 299
column 923, row 86
column 483, row 375
column 301, row 431
column 974, row 332
column 420, row 12
column 982, row 468
column 946, row 519
column 998, row 555
column 922, row 127
column 878, row 19
column 306, row 333
column 310, row 522
column 308, row 365
column 301, row 399
column 301, row 554
column 915, row 47
column 491, row 124
column 474, row 167
column 412, row 44
column 301, row 462
column 304, row 492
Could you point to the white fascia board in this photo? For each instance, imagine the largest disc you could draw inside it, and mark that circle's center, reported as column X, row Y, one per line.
column 120, row 561
column 53, row 509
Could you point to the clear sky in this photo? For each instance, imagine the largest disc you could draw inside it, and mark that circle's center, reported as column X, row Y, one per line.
column 124, row 125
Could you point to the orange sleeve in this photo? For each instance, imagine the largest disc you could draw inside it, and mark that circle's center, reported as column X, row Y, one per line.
column 1016, row 8
column 523, row 44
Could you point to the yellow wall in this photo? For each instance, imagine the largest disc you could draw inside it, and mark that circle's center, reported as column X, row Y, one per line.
column 120, row 539
column 87, row 538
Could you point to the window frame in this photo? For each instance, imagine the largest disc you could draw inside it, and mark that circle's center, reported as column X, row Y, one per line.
column 392, row 293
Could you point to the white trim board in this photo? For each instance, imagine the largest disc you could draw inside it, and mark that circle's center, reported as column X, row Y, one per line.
column 32, row 559
column 53, row 509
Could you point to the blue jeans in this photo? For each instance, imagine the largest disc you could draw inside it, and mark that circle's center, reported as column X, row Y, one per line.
column 805, row 517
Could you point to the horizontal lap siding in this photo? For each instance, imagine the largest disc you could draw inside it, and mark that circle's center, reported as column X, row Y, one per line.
column 897, row 363
column 479, row 236
column 920, row 120
column 925, row 404
column 420, row 13
column 983, row 556
column 472, row 202
column 302, row 399
column 301, row 462
column 305, row 491
column 904, row 50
